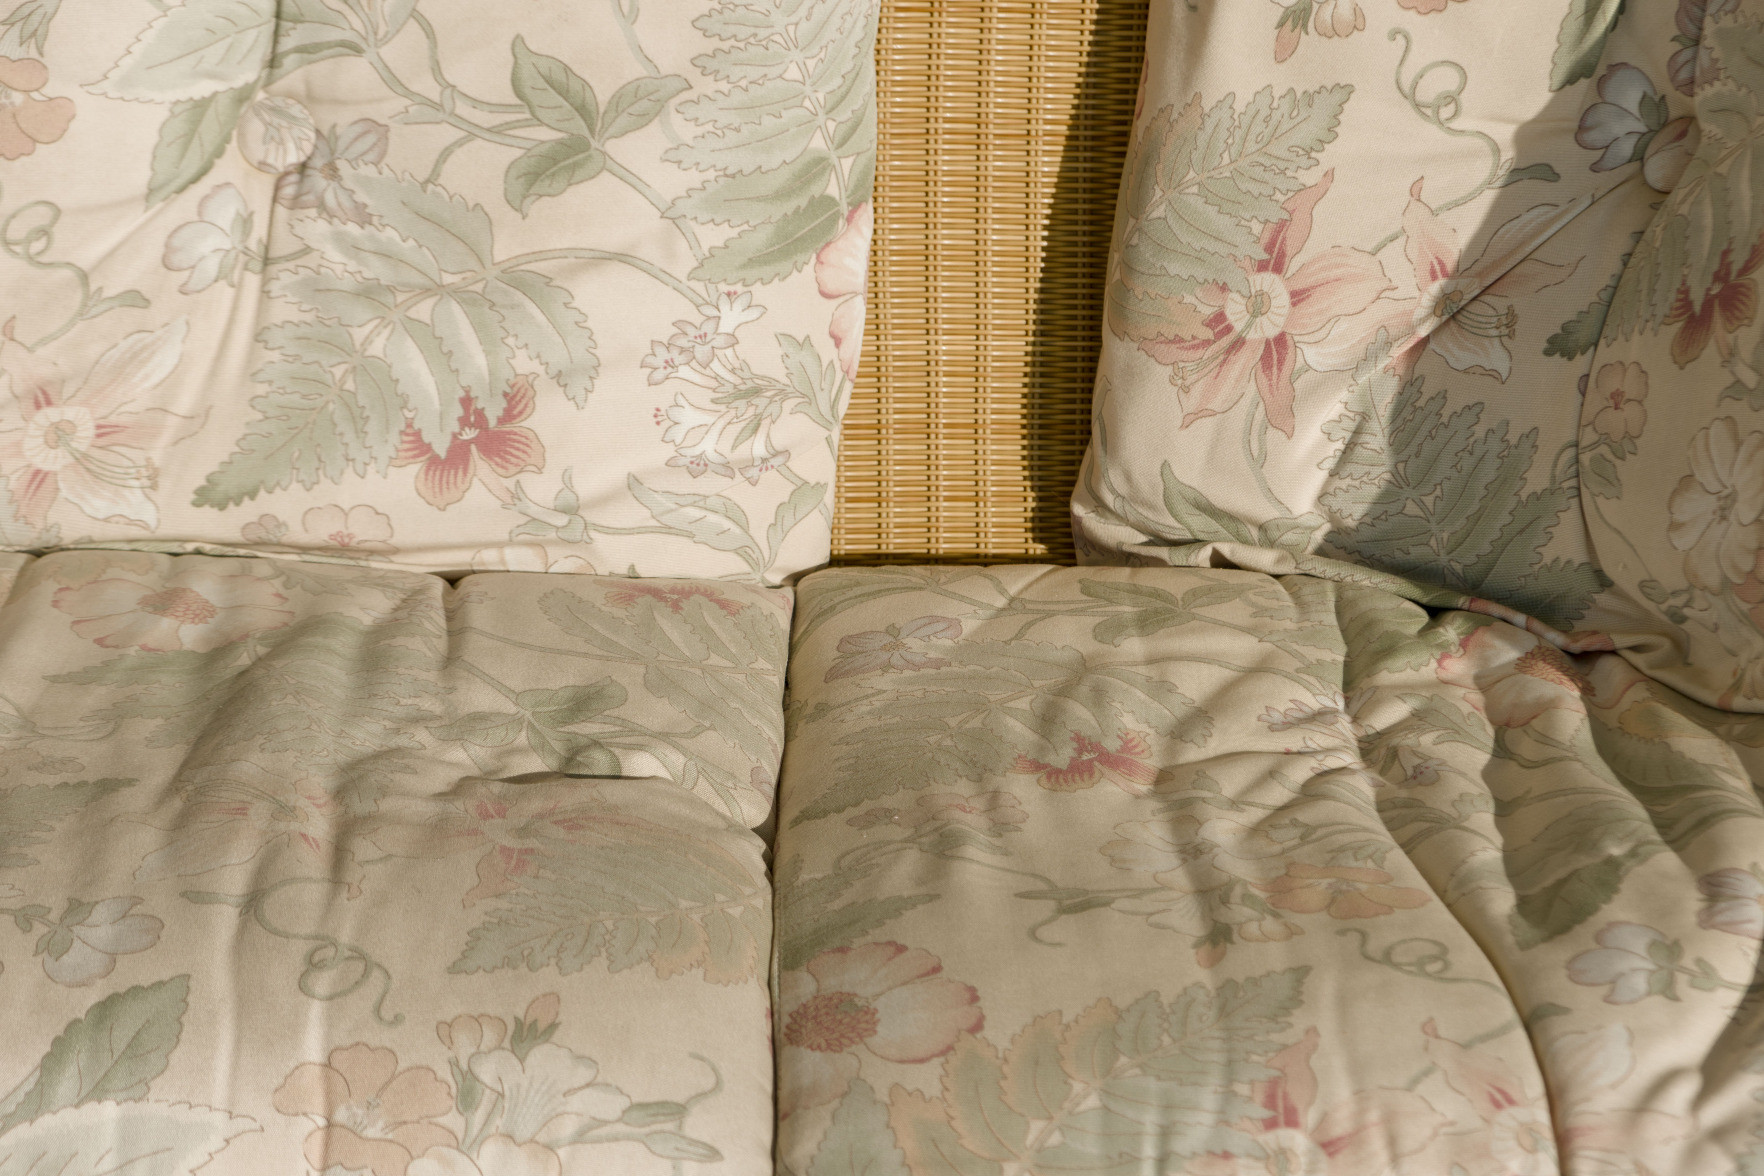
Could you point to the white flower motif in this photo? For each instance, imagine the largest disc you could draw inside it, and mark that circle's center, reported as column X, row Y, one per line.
column 94, row 447
column 277, row 134
column 552, row 1092
column 727, row 441
column 212, row 248
column 733, row 310
column 1736, row 902
column 1635, row 960
column 83, row 946
column 1718, row 508
column 701, row 340
column 665, row 362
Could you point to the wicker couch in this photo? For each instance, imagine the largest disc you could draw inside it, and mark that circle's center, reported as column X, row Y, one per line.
column 593, row 827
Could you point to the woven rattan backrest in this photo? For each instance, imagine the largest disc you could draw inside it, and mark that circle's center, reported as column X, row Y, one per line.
column 1003, row 126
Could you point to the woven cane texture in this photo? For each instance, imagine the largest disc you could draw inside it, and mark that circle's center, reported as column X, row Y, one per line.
column 1003, row 125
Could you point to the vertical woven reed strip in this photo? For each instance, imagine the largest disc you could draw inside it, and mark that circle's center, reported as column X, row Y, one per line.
column 1003, row 127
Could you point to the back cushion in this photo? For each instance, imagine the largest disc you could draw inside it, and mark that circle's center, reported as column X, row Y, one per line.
column 1672, row 440
column 1363, row 255
column 543, row 285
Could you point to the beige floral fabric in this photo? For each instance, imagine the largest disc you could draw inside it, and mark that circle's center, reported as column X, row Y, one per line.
column 333, row 870
column 1216, row 873
column 1365, row 252
column 1676, row 495
column 581, row 290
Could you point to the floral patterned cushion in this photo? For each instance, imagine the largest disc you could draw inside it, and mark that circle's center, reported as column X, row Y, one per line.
column 1675, row 487
column 327, row 870
column 1364, row 254
column 359, row 279
column 1211, row 872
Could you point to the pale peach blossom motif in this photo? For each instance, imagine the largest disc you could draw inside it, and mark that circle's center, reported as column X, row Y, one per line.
column 508, row 828
column 199, row 606
column 94, row 447
column 372, row 1116
column 883, row 998
column 1338, row 18
column 1513, row 677
column 1282, row 313
column 358, row 530
column 27, row 120
column 842, row 272
column 1621, row 392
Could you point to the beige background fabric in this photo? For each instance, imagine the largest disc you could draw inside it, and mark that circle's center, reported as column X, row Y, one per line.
column 363, row 281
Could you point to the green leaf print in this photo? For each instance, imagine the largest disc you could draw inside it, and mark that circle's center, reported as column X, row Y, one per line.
column 192, row 139
column 1200, row 184
column 1432, row 494
column 112, row 1054
column 859, row 1143
column 29, row 814
column 1581, row 42
column 195, row 50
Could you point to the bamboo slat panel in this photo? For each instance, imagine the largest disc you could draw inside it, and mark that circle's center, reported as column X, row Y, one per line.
column 1003, row 125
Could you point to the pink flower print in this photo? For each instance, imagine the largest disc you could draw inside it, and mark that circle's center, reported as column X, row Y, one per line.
column 96, row 447
column 884, row 999
column 197, row 607
column 1282, row 312
column 842, row 269
column 1125, row 765
column 1513, row 677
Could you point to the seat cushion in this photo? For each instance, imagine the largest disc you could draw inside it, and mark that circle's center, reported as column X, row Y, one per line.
column 350, row 869
column 359, row 280
column 1362, row 260
column 1214, row 872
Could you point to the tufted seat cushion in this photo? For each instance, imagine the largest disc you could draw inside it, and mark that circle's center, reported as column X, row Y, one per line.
column 356, row 870
column 1213, row 872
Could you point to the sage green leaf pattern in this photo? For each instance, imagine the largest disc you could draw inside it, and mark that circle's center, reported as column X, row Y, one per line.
column 1357, row 285
column 583, row 296
column 1390, row 889
column 494, row 839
